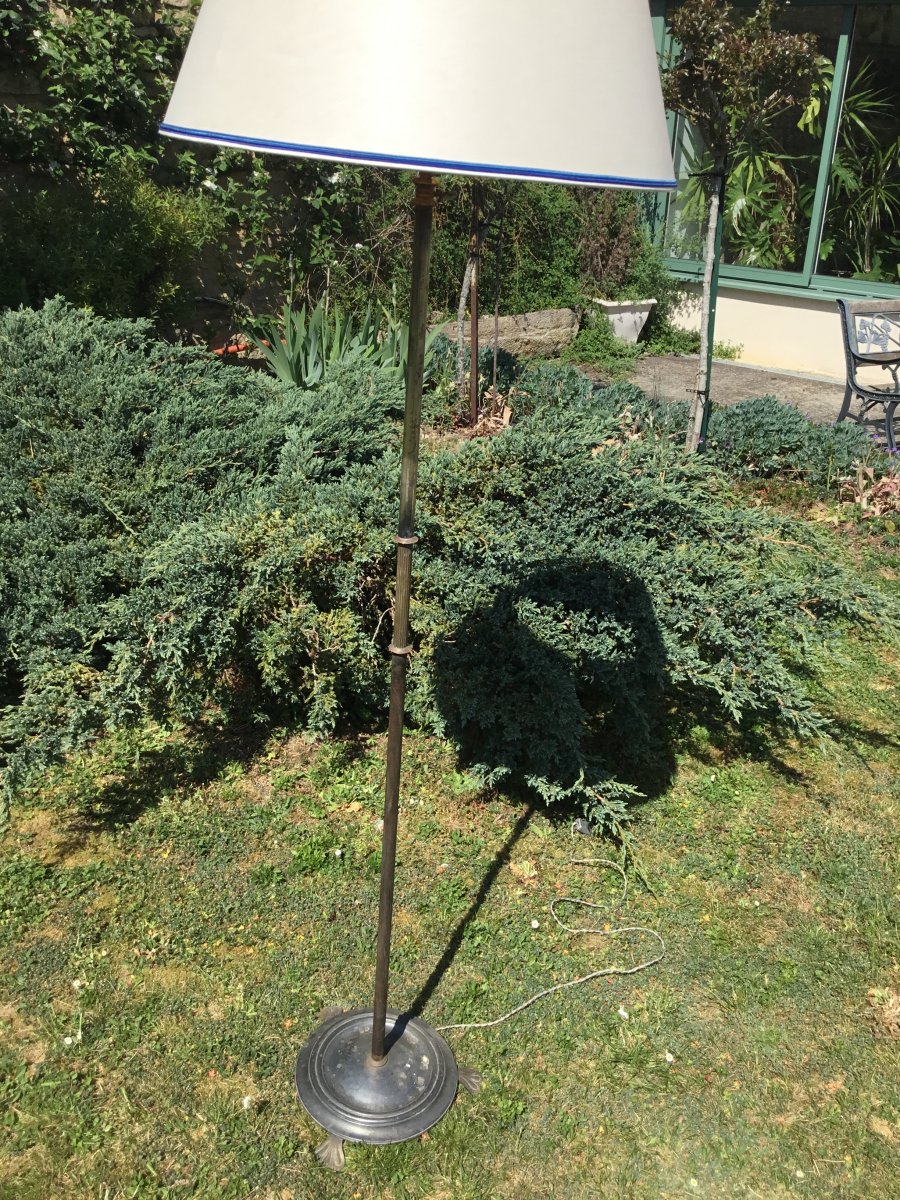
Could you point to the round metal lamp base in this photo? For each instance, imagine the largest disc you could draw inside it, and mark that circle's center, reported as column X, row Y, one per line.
column 358, row 1100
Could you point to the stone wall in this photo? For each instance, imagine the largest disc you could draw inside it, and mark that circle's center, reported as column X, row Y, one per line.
column 17, row 88
column 543, row 333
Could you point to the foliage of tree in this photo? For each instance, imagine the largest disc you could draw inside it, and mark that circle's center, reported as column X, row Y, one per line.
column 92, row 201
column 307, row 228
column 116, row 242
column 860, row 235
column 731, row 75
column 192, row 542
column 763, row 437
column 103, row 81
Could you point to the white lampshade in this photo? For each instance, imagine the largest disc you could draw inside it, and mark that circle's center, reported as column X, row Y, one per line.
column 565, row 92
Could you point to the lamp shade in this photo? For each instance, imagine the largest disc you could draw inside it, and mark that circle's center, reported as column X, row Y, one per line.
column 567, row 92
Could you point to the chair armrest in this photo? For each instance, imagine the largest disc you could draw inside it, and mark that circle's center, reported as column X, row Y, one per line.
column 891, row 358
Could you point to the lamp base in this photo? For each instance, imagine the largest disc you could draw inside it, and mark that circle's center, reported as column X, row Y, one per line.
column 356, row 1099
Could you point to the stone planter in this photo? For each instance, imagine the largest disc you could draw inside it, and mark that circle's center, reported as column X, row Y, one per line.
column 627, row 317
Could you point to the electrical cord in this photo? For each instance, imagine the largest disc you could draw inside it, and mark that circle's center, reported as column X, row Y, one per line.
column 559, row 987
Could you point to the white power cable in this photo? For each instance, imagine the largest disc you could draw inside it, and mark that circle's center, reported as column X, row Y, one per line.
column 597, row 862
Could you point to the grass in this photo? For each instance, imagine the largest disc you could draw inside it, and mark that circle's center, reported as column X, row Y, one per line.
column 174, row 915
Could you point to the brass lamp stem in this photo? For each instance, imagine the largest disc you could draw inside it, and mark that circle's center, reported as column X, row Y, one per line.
column 406, row 540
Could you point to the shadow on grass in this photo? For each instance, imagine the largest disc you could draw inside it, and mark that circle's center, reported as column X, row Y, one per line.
column 851, row 735
column 560, row 685
column 183, row 761
column 429, row 987
column 766, row 744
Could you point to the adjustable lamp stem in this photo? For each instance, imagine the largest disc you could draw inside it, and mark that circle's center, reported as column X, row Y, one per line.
column 406, row 540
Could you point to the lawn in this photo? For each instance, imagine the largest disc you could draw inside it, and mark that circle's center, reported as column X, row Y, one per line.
column 176, row 911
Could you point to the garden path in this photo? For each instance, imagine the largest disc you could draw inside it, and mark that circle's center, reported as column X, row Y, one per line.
column 673, row 377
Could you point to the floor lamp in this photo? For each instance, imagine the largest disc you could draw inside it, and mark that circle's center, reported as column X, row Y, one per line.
column 570, row 95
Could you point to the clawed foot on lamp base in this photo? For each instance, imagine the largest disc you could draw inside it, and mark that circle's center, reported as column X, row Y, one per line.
column 470, row 1079
column 331, row 1153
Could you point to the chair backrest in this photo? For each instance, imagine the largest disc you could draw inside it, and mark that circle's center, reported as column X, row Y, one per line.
column 871, row 330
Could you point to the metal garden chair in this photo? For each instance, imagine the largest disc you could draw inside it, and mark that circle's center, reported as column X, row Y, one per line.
column 871, row 331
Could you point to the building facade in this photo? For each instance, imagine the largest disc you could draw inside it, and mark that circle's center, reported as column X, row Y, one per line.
column 813, row 205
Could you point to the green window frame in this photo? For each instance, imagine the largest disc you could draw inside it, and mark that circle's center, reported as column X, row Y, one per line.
column 804, row 281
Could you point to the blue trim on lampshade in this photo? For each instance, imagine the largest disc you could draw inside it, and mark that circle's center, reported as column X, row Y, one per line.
column 397, row 160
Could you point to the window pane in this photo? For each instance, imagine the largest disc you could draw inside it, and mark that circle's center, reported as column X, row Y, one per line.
column 860, row 238
column 772, row 180
column 685, row 222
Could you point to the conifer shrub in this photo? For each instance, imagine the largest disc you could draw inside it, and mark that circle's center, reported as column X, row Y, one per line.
column 758, row 438
column 762, row 437
column 546, row 384
column 111, row 445
column 587, row 589
column 188, row 541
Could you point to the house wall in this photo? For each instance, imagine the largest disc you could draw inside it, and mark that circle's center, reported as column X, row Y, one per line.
column 776, row 331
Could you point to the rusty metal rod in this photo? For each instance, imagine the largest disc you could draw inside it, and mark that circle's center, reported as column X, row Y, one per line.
column 400, row 649
column 473, row 344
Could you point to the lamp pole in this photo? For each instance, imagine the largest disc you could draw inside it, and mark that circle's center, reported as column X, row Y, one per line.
column 406, row 540
column 349, row 1079
column 378, row 1075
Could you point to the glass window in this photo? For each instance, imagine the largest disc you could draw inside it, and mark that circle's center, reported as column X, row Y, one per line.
column 772, row 178
column 685, row 221
column 861, row 238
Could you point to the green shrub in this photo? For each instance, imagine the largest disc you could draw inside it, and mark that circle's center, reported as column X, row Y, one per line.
column 295, row 228
column 442, row 407
column 540, row 250
column 92, row 212
column 756, row 438
column 553, row 384
column 313, row 227
column 104, row 73
column 508, row 368
column 614, row 595
column 596, row 345
column 110, row 442
column 618, row 258
column 116, row 242
column 182, row 539
column 762, row 437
